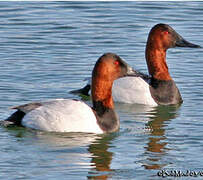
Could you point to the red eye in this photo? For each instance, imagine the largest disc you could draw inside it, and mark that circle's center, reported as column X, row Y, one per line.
column 117, row 63
column 166, row 32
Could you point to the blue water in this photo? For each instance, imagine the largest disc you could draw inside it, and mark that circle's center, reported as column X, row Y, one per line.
column 48, row 48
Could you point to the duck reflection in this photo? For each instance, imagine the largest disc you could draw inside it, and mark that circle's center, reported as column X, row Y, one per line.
column 155, row 120
column 156, row 147
column 69, row 149
column 97, row 147
column 101, row 157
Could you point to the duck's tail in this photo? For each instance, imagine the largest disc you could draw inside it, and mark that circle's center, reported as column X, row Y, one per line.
column 84, row 91
column 15, row 119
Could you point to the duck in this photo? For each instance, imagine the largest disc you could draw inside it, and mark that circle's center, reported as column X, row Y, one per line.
column 157, row 88
column 72, row 115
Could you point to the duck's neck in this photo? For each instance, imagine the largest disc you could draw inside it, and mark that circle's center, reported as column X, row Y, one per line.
column 103, row 106
column 156, row 61
column 102, row 95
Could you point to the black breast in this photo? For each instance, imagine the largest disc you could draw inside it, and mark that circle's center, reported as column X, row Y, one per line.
column 165, row 92
column 107, row 118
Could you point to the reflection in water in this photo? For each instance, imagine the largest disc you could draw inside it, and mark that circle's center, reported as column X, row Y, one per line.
column 155, row 122
column 71, row 150
column 67, row 146
column 157, row 139
column 101, row 157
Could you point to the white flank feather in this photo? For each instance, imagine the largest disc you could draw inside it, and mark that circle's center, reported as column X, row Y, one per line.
column 65, row 115
column 132, row 90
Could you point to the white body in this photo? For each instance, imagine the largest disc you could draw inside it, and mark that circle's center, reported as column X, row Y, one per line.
column 132, row 90
column 64, row 115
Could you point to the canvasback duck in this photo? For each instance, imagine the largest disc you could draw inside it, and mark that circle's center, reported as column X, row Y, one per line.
column 68, row 115
column 157, row 88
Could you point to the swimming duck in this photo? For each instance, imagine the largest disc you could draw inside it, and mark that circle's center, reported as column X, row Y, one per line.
column 157, row 88
column 69, row 115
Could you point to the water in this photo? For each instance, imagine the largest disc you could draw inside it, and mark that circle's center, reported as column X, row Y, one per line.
column 48, row 48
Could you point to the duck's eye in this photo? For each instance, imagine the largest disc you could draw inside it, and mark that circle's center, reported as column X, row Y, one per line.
column 116, row 62
column 166, row 32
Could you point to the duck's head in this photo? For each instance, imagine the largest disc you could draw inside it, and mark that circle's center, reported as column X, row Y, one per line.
column 162, row 36
column 108, row 68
